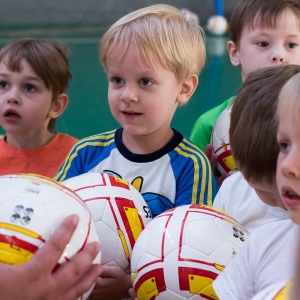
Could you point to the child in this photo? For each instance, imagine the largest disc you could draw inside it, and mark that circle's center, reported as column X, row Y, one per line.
column 148, row 79
column 251, row 137
column 153, row 57
column 288, row 137
column 39, row 279
column 288, row 178
column 34, row 78
column 253, row 134
column 288, row 163
column 263, row 33
column 253, row 140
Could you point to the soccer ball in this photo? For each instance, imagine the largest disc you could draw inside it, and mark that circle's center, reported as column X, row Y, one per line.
column 221, row 144
column 217, row 25
column 275, row 291
column 32, row 207
column 181, row 252
column 119, row 211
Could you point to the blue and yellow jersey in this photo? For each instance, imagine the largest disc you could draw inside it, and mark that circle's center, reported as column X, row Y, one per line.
column 177, row 174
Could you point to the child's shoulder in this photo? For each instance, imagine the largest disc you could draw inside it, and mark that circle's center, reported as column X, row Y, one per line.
column 274, row 232
column 202, row 128
column 103, row 136
column 182, row 146
column 216, row 111
column 100, row 140
column 190, row 150
column 65, row 138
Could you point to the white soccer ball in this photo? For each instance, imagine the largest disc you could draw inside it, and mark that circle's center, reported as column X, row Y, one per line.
column 181, row 252
column 119, row 211
column 31, row 208
column 221, row 144
column 217, row 25
column 277, row 291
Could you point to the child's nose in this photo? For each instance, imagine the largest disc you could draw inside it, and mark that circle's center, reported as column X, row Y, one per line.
column 13, row 97
column 13, row 100
column 289, row 166
column 129, row 94
column 278, row 57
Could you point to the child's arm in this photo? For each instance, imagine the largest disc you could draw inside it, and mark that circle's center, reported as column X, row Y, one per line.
column 195, row 181
column 113, row 284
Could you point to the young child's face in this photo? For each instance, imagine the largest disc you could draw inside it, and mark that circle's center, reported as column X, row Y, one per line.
column 267, row 47
column 24, row 100
column 288, row 164
column 267, row 192
column 142, row 99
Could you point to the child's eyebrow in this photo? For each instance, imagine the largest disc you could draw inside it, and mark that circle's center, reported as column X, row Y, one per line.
column 264, row 32
column 33, row 78
column 294, row 35
column 25, row 78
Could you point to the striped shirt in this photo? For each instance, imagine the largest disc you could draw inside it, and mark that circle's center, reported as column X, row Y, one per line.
column 177, row 174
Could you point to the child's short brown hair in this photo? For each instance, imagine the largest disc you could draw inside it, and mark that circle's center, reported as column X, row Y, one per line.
column 253, row 125
column 264, row 13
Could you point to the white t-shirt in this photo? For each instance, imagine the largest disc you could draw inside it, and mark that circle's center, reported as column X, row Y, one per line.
column 240, row 200
column 268, row 256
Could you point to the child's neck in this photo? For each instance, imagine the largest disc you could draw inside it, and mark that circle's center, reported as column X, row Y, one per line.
column 145, row 144
column 29, row 142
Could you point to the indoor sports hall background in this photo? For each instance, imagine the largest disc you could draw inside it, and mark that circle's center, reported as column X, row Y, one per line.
column 80, row 24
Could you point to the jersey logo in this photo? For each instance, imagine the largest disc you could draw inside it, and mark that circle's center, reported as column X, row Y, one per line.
column 156, row 202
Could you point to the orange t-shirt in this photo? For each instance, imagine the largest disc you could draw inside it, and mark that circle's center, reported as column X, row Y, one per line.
column 44, row 160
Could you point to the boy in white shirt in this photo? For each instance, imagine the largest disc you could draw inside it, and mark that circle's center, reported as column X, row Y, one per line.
column 253, row 142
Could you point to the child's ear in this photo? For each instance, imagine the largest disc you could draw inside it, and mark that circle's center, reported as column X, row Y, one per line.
column 233, row 53
column 59, row 106
column 188, row 88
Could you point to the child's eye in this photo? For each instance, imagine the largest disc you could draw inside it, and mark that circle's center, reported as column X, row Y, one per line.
column 145, row 82
column 291, row 45
column 263, row 44
column 29, row 88
column 117, row 80
column 284, row 146
column 3, row 84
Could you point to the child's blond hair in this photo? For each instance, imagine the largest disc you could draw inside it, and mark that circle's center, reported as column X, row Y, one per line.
column 160, row 32
column 289, row 97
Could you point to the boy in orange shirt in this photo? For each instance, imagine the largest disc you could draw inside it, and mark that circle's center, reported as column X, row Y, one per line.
column 34, row 76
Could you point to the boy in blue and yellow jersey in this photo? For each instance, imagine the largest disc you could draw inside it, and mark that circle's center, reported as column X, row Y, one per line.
column 148, row 79
column 152, row 57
